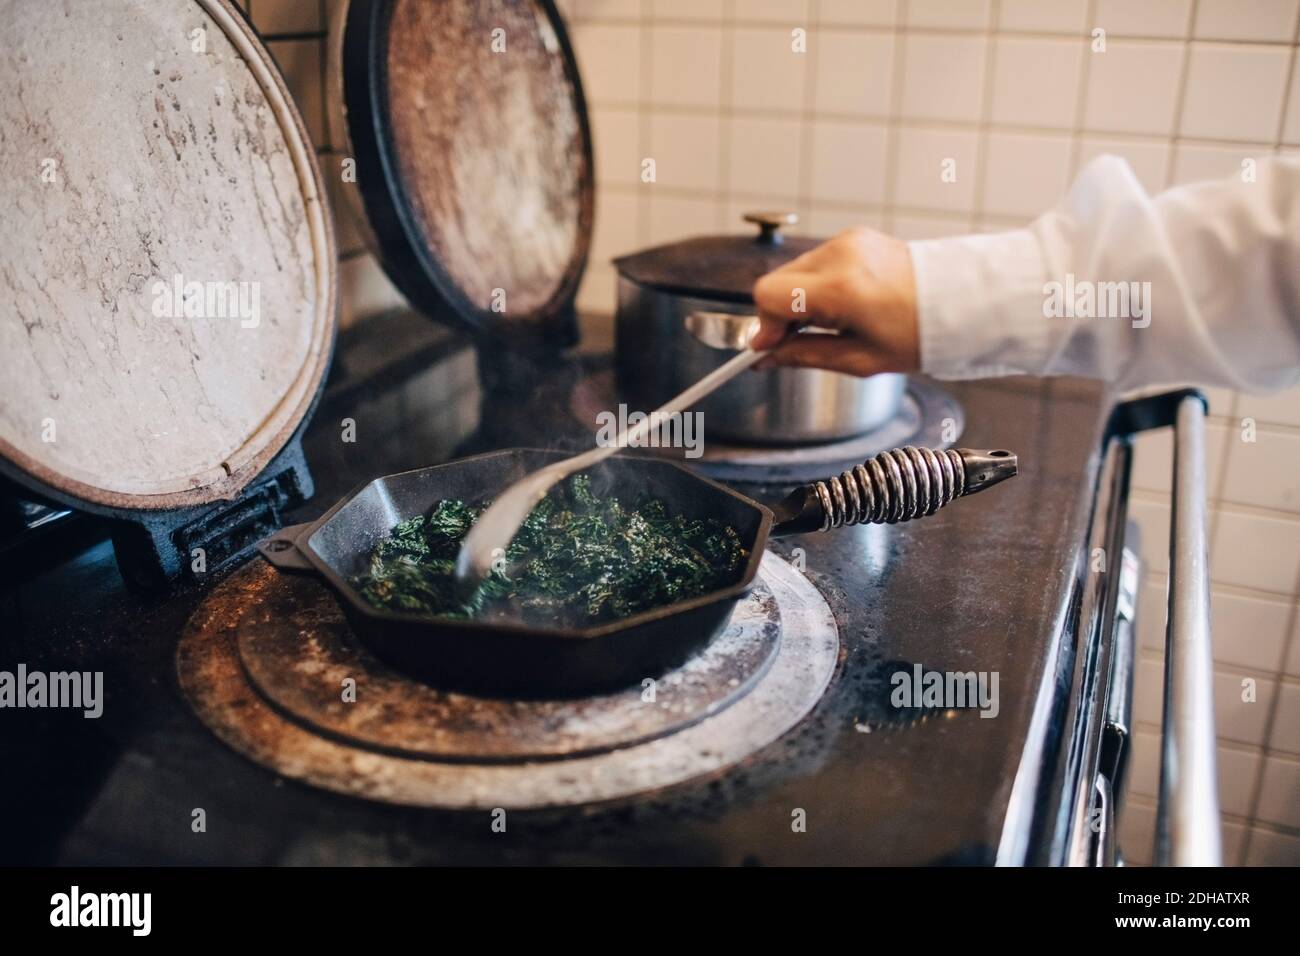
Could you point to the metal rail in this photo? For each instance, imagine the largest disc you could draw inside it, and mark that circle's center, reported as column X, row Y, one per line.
column 1187, row 820
column 1083, row 778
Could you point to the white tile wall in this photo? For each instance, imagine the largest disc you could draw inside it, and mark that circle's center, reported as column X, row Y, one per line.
column 854, row 72
column 1133, row 86
column 1043, row 16
column 677, row 141
column 1146, row 18
column 1193, row 161
column 848, row 161
column 686, row 65
column 1265, row 20
column 919, row 182
column 1234, row 91
column 682, row 9
column 948, row 14
column 766, row 73
column 856, row 131
column 1149, row 159
column 614, row 51
column 1036, row 81
column 1024, row 173
column 943, row 76
column 1291, row 127
column 616, row 132
column 875, row 13
column 765, row 154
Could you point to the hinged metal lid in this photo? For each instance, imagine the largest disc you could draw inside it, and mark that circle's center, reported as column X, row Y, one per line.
column 718, row 267
column 473, row 157
column 167, row 279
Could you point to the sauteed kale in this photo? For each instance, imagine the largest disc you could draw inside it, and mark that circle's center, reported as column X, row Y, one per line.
column 578, row 559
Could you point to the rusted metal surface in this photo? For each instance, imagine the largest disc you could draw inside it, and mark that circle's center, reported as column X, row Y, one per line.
column 214, row 678
column 174, row 171
column 294, row 644
column 488, row 145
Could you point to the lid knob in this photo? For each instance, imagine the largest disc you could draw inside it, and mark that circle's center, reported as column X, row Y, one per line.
column 769, row 224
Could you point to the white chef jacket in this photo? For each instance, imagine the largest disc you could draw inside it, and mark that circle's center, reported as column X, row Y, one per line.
column 1222, row 307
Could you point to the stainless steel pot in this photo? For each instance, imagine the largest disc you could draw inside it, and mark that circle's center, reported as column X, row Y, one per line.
column 657, row 357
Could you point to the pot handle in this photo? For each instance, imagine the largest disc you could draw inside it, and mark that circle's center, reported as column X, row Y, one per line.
column 896, row 485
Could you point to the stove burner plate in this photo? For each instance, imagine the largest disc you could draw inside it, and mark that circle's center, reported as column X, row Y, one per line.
column 298, row 655
column 402, row 742
column 920, row 421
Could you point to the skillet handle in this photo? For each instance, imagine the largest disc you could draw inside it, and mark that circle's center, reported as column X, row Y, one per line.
column 896, row 485
column 282, row 550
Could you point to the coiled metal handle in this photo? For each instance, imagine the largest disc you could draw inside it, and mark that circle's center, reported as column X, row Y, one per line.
column 906, row 483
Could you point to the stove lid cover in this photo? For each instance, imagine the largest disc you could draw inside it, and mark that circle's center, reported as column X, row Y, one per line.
column 167, row 274
column 718, row 267
column 473, row 158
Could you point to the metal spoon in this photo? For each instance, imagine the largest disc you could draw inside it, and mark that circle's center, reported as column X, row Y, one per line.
column 731, row 331
column 496, row 527
column 722, row 330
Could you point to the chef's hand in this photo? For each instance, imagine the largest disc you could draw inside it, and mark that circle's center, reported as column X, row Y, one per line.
column 861, row 285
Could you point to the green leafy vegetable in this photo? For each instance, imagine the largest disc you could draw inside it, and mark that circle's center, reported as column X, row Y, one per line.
column 577, row 560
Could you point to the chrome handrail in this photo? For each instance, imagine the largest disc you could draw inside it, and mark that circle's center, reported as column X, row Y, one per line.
column 1187, row 819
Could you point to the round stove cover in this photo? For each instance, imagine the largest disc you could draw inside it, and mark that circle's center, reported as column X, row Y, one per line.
column 167, row 273
column 473, row 157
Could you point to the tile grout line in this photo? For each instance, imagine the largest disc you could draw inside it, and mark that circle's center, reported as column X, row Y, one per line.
column 1126, row 137
column 644, row 120
column 1293, row 619
column 1081, row 95
column 1236, row 746
column 983, row 131
column 1225, row 668
column 1241, row 509
column 1270, row 719
column 1223, row 420
column 1214, row 500
column 725, row 114
column 1235, row 590
column 1018, row 33
column 1180, row 97
column 893, row 142
column 1243, row 747
column 803, row 202
column 323, row 57
column 1288, row 85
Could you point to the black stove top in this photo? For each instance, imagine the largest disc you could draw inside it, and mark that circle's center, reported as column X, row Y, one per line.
column 989, row 586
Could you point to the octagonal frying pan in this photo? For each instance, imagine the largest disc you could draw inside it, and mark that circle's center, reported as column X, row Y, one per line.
column 516, row 659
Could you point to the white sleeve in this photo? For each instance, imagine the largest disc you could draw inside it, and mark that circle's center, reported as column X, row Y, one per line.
column 1199, row 285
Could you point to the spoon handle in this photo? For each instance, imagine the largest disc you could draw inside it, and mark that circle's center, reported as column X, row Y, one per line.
column 709, row 383
column 634, row 433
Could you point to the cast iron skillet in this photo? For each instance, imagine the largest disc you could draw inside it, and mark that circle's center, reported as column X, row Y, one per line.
column 520, row 660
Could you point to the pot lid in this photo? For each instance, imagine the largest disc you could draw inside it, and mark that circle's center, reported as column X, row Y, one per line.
column 473, row 156
column 167, row 277
column 718, row 267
